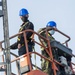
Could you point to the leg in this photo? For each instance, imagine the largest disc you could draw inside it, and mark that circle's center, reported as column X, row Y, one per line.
column 46, row 65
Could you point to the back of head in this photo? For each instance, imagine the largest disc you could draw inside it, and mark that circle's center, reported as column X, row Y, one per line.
column 23, row 12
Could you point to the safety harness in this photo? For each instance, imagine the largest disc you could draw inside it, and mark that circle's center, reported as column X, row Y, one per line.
column 22, row 27
column 41, row 32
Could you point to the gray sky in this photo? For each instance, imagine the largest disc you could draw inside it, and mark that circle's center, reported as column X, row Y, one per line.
column 40, row 12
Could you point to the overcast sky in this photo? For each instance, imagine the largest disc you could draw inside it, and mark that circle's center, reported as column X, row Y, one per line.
column 40, row 12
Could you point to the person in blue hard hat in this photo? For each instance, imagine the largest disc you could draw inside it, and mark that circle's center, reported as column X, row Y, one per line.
column 20, row 44
column 51, row 24
column 46, row 65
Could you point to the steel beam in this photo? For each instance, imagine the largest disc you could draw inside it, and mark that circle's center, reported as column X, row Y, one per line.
column 6, row 37
column 1, row 13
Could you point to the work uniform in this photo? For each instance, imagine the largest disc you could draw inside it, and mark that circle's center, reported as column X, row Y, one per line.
column 46, row 65
column 26, row 25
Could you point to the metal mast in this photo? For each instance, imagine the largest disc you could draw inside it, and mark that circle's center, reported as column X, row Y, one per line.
column 6, row 36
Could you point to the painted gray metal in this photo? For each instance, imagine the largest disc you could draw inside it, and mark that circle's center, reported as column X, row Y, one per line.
column 6, row 37
column 61, row 47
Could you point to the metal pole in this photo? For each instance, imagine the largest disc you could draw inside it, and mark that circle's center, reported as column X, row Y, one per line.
column 6, row 37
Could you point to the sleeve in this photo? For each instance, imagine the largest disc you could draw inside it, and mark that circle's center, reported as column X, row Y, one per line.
column 14, row 46
column 29, row 26
column 41, row 30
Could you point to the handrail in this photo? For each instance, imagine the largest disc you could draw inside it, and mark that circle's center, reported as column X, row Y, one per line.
column 18, row 58
column 50, row 28
column 24, row 33
column 29, row 30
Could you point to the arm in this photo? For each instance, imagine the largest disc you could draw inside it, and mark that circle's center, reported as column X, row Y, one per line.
column 29, row 26
column 14, row 46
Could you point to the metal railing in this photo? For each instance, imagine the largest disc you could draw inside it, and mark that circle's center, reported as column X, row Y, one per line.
column 52, row 60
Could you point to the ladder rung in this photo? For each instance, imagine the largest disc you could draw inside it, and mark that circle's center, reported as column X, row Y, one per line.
column 1, row 69
column 0, row 3
column 2, row 63
column 1, row 13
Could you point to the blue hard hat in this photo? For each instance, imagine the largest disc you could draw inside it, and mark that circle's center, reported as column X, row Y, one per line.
column 51, row 24
column 23, row 12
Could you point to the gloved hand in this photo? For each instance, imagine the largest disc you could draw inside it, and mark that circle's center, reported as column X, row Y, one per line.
column 19, row 46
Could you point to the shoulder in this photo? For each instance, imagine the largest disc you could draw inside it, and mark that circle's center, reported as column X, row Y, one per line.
column 30, row 22
column 41, row 30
